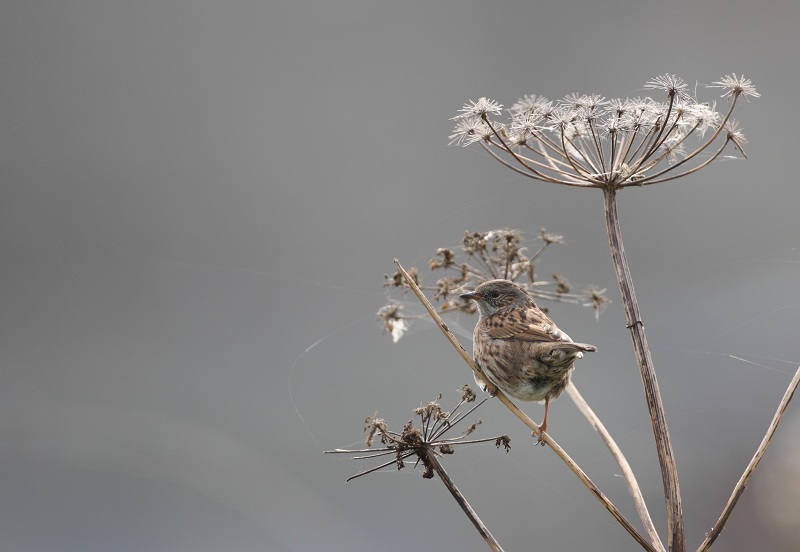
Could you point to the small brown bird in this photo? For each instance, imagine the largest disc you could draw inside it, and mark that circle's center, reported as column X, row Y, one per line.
column 518, row 347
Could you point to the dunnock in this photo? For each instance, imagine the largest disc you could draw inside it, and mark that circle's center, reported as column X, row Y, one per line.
column 518, row 347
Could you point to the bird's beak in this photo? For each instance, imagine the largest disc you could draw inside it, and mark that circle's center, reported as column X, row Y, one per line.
column 469, row 295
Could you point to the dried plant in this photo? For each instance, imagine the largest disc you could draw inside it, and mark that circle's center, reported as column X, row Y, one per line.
column 485, row 256
column 590, row 142
column 587, row 141
column 427, row 444
column 584, row 141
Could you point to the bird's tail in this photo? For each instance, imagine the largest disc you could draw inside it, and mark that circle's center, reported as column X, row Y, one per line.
column 568, row 346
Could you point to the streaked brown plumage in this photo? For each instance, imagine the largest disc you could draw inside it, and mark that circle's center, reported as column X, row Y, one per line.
column 518, row 347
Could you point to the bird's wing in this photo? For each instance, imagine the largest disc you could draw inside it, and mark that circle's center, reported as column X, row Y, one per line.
column 524, row 324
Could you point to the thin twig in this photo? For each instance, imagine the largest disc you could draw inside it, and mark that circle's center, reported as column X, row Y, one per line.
column 676, row 539
column 376, row 468
column 458, row 418
column 622, row 462
column 751, row 467
column 473, row 517
column 545, row 437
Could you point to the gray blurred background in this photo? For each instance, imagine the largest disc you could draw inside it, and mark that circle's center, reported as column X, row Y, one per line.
column 200, row 200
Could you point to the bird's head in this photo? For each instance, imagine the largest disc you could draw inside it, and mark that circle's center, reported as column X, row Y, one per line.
column 493, row 295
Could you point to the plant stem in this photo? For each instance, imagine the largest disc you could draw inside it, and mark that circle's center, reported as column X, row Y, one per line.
column 622, row 462
column 751, row 467
column 473, row 517
column 669, row 474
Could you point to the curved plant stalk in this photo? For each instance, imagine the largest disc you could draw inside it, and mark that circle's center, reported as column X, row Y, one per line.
column 751, row 467
column 622, row 462
column 676, row 539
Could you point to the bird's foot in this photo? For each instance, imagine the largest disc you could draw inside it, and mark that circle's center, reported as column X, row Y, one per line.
column 540, row 439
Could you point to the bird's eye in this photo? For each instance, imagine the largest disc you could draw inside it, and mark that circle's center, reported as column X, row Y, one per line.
column 494, row 294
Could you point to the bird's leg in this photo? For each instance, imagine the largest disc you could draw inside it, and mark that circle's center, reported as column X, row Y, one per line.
column 543, row 427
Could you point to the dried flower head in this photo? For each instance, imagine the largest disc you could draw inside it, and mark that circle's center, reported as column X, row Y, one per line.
column 424, row 441
column 596, row 299
column 482, row 256
column 587, row 141
column 393, row 322
column 467, row 393
column 736, row 86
